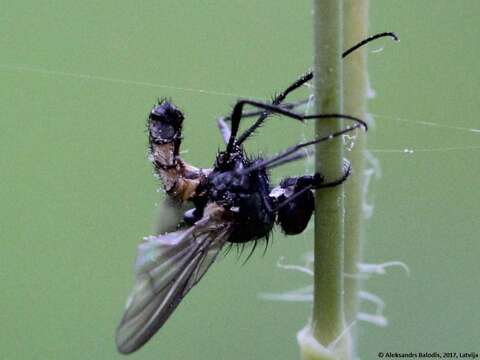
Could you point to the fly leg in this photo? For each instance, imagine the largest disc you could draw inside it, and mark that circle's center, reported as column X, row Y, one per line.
column 278, row 100
column 263, row 114
column 222, row 122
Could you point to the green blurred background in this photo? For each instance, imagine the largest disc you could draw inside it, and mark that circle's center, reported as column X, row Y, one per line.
column 77, row 193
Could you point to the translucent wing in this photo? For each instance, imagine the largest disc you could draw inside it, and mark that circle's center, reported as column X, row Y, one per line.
column 167, row 267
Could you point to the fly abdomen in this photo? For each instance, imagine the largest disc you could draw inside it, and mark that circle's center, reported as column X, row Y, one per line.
column 165, row 134
column 180, row 180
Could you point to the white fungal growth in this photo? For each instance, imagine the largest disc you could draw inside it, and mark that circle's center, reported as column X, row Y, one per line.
column 376, row 300
column 377, row 320
column 305, row 294
column 304, row 269
column 381, row 269
column 377, row 317
column 371, row 93
column 372, row 170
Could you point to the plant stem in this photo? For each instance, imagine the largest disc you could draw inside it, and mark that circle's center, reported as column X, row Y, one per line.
column 338, row 229
column 328, row 319
column 355, row 89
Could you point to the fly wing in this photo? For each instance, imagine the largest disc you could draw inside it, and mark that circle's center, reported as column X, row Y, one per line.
column 167, row 267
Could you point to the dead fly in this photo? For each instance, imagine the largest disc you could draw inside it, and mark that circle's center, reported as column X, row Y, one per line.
column 233, row 202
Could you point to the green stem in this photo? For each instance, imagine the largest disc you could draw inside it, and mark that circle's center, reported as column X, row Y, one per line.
column 328, row 319
column 338, row 88
column 355, row 85
column 321, row 340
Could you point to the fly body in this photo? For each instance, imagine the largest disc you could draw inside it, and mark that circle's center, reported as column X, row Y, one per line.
column 232, row 202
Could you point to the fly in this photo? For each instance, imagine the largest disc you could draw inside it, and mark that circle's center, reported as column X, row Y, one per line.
column 233, row 202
